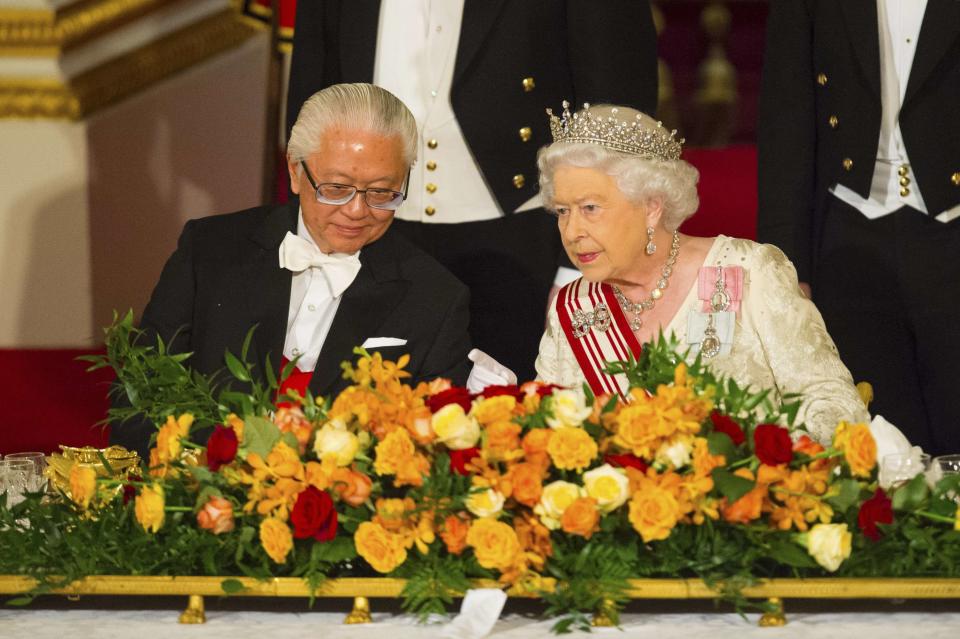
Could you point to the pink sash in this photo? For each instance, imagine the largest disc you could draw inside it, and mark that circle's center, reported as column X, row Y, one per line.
column 598, row 332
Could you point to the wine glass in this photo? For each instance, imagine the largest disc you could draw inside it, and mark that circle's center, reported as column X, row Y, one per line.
column 15, row 477
column 37, row 480
column 899, row 468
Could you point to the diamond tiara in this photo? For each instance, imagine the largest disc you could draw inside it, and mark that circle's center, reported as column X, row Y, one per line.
column 635, row 138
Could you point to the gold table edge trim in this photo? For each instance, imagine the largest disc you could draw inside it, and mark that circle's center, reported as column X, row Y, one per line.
column 815, row 588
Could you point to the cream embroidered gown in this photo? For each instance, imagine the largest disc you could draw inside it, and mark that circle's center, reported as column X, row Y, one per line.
column 779, row 342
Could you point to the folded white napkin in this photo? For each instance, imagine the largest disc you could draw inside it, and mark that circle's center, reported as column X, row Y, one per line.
column 487, row 371
column 479, row 612
column 381, row 342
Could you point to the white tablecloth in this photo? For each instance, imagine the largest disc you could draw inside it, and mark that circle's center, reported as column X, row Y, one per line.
column 162, row 624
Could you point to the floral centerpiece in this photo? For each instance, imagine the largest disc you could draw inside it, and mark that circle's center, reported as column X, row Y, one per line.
column 546, row 489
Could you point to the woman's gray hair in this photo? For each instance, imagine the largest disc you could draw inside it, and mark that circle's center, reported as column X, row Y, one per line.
column 637, row 178
column 361, row 106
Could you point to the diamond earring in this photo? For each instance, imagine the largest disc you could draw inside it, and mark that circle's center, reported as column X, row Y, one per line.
column 651, row 247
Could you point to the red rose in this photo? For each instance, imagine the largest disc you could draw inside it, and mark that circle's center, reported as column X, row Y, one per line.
column 313, row 515
column 626, row 460
column 876, row 510
column 493, row 391
column 455, row 395
column 773, row 444
column 726, row 425
column 460, row 458
column 221, row 447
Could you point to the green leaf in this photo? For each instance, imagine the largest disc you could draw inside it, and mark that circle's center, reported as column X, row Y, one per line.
column 721, row 444
column 337, row 549
column 911, row 495
column 847, row 495
column 232, row 586
column 791, row 554
column 731, row 486
column 237, row 368
column 245, row 349
column 20, row 601
column 260, row 435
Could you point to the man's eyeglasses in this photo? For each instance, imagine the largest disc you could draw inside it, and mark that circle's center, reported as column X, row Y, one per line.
column 333, row 193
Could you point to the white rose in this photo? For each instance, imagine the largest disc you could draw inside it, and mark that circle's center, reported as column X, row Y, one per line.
column 569, row 408
column 485, row 503
column 554, row 500
column 676, row 454
column 608, row 485
column 334, row 439
column 829, row 544
column 454, row 428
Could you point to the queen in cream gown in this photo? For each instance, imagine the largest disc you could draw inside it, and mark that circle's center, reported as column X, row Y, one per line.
column 615, row 181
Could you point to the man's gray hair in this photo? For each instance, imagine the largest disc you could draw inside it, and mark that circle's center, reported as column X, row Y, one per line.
column 359, row 106
column 637, row 178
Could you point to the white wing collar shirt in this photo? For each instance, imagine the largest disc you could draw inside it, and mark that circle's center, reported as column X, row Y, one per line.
column 316, row 288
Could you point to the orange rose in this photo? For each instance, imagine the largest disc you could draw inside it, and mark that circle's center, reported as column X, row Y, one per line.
column 535, row 445
column 858, row 446
column 352, row 487
column 502, row 437
column 527, row 481
column 216, row 515
column 653, row 512
column 494, row 543
column 454, row 533
column 383, row 550
column 749, row 506
column 581, row 517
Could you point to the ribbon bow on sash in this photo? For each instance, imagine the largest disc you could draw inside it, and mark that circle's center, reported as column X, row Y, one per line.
column 298, row 254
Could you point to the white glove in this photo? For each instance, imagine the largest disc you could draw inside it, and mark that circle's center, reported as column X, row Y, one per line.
column 487, row 371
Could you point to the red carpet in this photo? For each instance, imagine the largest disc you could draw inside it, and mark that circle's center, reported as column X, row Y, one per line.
column 47, row 398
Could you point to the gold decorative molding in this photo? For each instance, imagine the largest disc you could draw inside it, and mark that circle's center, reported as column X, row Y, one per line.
column 119, row 78
column 27, row 32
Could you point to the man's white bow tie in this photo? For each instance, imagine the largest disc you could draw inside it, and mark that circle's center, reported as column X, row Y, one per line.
column 298, row 254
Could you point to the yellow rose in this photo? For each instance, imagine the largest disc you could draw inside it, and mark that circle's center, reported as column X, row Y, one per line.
column 609, row 486
column 502, row 439
column 829, row 544
column 569, row 409
column 494, row 543
column 485, row 503
column 571, row 448
column 653, row 512
column 454, row 428
column 83, row 483
column 148, row 507
column 858, row 446
column 335, row 440
column 383, row 550
column 494, row 409
column 555, row 499
column 276, row 538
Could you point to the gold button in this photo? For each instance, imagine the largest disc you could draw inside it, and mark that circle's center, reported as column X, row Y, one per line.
column 432, row 143
column 431, row 188
column 528, row 85
column 526, row 133
column 847, row 164
column 519, row 180
column 431, row 166
column 904, row 192
column 834, row 122
column 429, row 210
column 904, row 181
column 955, row 178
column 903, row 170
column 821, row 79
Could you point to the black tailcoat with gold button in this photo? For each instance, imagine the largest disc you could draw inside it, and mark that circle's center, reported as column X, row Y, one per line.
column 820, row 114
column 514, row 59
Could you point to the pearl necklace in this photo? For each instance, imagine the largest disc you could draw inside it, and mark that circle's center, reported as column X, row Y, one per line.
column 637, row 308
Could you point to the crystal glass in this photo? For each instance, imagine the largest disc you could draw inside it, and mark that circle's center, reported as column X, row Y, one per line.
column 38, row 480
column 899, row 468
column 15, row 477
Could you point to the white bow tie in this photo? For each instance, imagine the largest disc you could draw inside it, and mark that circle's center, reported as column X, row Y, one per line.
column 298, row 254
